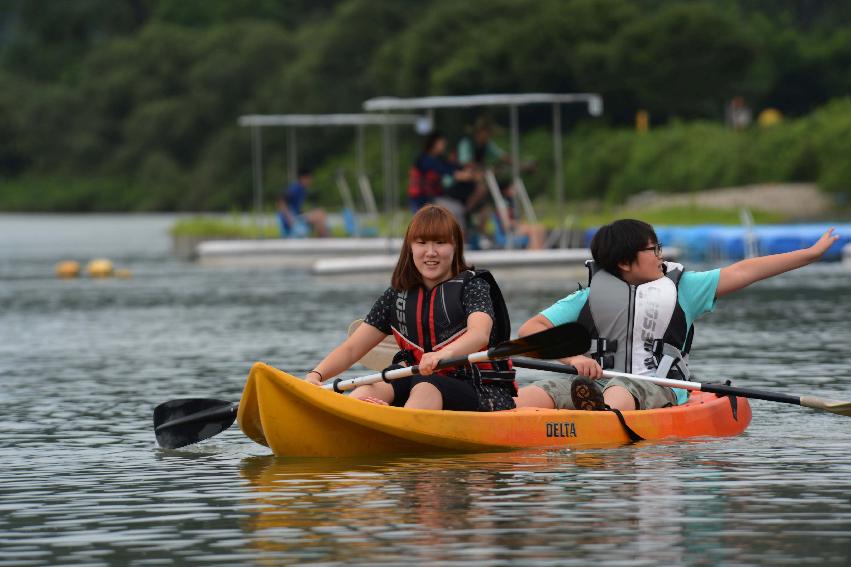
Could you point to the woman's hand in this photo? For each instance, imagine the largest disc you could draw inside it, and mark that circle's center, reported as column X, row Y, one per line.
column 430, row 359
column 821, row 246
column 313, row 378
column 585, row 366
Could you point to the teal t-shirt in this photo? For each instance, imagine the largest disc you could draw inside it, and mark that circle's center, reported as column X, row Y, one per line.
column 695, row 295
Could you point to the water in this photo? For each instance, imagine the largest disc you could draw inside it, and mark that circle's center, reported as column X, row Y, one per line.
column 83, row 363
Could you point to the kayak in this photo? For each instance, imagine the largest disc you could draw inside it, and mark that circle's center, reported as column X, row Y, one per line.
column 297, row 419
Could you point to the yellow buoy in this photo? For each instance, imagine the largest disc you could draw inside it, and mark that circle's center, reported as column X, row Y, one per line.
column 123, row 273
column 99, row 268
column 769, row 117
column 68, row 269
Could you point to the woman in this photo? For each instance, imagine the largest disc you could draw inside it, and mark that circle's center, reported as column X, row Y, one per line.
column 436, row 307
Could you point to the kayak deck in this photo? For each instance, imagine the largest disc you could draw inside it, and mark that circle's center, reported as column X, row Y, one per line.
column 295, row 418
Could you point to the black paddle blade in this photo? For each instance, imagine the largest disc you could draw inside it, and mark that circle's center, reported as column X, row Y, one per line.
column 178, row 423
column 569, row 339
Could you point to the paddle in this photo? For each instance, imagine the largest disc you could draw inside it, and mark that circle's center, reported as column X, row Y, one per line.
column 814, row 402
column 182, row 422
column 558, row 342
column 382, row 355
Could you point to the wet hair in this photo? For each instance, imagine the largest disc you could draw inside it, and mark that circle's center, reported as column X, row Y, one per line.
column 432, row 222
column 620, row 242
column 431, row 140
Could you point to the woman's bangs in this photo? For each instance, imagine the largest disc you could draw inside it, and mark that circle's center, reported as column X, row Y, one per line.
column 431, row 227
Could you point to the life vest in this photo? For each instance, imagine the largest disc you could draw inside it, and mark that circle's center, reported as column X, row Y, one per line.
column 638, row 329
column 420, row 317
column 424, row 183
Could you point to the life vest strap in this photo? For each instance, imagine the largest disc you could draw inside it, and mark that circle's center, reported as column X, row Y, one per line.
column 605, row 352
column 668, row 358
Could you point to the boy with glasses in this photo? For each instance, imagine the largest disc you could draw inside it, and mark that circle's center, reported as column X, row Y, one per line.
column 640, row 312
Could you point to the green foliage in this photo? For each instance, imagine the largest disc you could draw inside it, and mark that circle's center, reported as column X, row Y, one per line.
column 686, row 157
column 146, row 93
column 685, row 59
column 234, row 226
column 676, row 215
column 58, row 195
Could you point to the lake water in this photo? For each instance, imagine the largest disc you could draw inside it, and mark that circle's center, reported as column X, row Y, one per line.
column 83, row 362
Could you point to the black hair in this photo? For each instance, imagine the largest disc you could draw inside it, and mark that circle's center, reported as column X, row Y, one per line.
column 303, row 171
column 431, row 140
column 620, row 242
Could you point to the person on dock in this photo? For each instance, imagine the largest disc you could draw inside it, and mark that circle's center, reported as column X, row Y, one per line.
column 436, row 307
column 431, row 174
column 475, row 153
column 294, row 219
column 527, row 235
column 640, row 311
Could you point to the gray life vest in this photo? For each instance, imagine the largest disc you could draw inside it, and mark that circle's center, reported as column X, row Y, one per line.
column 638, row 329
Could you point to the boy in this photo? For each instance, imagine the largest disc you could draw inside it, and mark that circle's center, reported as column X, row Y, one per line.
column 639, row 310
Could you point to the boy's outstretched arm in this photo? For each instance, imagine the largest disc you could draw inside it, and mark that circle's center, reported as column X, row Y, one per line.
column 742, row 274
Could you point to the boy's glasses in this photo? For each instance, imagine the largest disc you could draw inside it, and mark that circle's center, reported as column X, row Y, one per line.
column 656, row 248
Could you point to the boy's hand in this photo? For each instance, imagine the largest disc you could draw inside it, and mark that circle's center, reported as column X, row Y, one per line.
column 821, row 246
column 585, row 366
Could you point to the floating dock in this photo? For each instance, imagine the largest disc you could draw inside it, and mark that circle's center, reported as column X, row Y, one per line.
column 529, row 264
column 300, row 252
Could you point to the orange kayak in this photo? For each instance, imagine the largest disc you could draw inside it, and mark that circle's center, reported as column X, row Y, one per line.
column 297, row 419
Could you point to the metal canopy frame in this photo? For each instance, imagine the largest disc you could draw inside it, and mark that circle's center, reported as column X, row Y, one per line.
column 257, row 122
column 593, row 101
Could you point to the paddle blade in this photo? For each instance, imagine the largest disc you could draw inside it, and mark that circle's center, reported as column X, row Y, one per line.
column 833, row 406
column 561, row 341
column 382, row 355
column 178, row 423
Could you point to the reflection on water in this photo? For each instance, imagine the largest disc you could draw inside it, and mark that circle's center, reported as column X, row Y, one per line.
column 82, row 363
column 646, row 504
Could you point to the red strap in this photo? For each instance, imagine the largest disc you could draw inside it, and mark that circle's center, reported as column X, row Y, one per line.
column 431, row 320
column 420, row 317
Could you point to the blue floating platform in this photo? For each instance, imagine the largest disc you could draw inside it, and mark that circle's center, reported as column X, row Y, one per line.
column 725, row 242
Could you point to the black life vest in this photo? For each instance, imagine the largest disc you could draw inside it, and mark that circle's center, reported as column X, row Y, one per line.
column 420, row 318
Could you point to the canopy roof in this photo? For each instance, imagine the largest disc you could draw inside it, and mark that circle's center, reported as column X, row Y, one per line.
column 306, row 120
column 594, row 101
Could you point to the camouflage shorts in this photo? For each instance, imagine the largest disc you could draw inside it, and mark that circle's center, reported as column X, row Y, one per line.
column 646, row 394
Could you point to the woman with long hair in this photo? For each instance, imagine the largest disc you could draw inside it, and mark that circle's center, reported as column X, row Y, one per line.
column 436, row 307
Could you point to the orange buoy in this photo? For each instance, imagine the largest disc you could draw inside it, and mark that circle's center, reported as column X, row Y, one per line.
column 67, row 269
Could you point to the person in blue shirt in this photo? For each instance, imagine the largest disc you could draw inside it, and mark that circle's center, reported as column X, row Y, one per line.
column 295, row 220
column 640, row 312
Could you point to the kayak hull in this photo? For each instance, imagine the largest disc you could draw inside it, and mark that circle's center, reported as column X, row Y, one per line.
column 295, row 418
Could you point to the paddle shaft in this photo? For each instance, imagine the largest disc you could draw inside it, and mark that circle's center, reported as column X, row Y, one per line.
column 339, row 385
column 720, row 389
column 559, row 341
